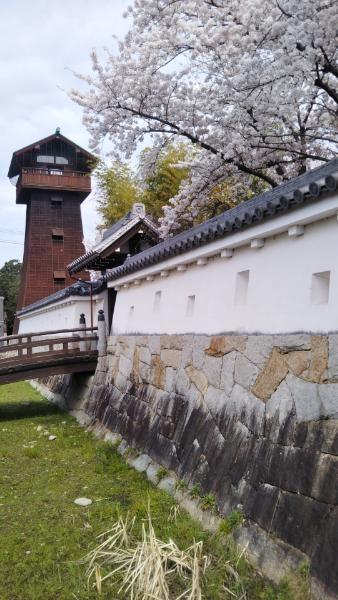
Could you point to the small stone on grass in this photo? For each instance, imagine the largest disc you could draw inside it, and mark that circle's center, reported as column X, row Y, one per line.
column 83, row 501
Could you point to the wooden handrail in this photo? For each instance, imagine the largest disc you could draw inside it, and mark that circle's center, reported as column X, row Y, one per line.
column 32, row 355
column 49, row 171
column 54, row 331
column 48, row 342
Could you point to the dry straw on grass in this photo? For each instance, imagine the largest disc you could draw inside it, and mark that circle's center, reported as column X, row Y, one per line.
column 148, row 566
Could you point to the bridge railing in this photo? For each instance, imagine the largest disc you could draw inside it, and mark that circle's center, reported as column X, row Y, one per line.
column 27, row 346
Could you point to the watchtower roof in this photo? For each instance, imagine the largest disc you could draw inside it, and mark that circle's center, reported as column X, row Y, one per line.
column 83, row 160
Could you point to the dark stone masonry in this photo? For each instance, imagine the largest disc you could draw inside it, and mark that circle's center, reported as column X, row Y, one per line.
column 253, row 419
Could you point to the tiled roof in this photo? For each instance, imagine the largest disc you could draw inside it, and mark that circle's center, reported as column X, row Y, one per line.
column 118, row 225
column 287, row 196
column 111, row 236
column 77, row 289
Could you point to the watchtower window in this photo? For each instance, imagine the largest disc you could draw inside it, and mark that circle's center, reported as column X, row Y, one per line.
column 56, row 201
column 59, row 277
column 41, row 158
column 57, row 235
column 52, row 160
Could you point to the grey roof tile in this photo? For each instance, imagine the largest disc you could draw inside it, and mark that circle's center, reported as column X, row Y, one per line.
column 76, row 289
column 303, row 189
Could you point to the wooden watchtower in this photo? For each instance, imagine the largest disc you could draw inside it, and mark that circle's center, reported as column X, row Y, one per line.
column 52, row 177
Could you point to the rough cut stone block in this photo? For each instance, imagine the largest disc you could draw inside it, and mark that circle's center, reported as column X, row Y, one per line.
column 123, row 447
column 121, row 382
column 145, row 372
column 333, row 357
column 278, row 409
column 165, row 341
column 298, row 341
column 245, row 371
column 145, row 355
column 141, row 463
column 258, row 348
column 100, row 377
column 326, row 470
column 200, row 343
column 112, row 438
column 125, row 366
column 170, row 379
column 212, row 369
column 154, row 344
column 171, row 358
column 197, row 378
column 222, row 344
column 227, row 373
column 182, row 382
column 102, row 363
column 167, row 428
column 297, row 361
column 195, row 397
column 271, row 376
column 328, row 395
column 126, row 346
column 326, row 432
column 186, row 357
column 176, row 342
column 306, row 399
column 157, row 375
column 276, row 558
column 214, row 399
column 248, row 409
column 113, row 364
column 168, row 484
column 319, row 358
column 152, row 473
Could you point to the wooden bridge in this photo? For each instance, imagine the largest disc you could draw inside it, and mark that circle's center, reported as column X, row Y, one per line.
column 34, row 355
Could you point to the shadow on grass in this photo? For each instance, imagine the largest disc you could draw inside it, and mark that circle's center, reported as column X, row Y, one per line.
column 12, row 411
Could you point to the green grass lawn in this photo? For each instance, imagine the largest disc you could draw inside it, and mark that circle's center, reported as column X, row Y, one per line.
column 43, row 533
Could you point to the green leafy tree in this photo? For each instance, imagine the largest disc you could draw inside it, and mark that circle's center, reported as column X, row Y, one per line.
column 118, row 187
column 9, row 288
column 165, row 180
column 117, row 190
column 226, row 195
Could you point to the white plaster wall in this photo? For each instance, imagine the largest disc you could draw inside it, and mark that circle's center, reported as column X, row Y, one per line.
column 61, row 315
column 278, row 295
column 64, row 314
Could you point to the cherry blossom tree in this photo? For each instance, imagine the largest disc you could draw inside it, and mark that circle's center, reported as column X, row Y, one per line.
column 250, row 84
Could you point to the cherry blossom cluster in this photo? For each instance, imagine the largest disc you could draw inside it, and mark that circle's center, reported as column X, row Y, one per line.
column 250, row 84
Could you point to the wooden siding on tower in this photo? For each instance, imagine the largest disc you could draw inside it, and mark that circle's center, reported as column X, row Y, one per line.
column 42, row 256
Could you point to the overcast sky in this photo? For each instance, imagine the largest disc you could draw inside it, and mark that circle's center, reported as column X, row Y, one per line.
column 41, row 43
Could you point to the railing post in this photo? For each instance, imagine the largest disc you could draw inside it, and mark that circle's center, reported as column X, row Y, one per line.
column 83, row 343
column 101, row 330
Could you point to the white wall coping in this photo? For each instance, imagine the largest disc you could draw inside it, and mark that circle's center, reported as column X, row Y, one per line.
column 302, row 216
column 53, row 306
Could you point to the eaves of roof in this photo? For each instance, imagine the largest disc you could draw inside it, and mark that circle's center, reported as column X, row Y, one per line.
column 49, row 138
column 117, row 232
column 77, row 289
column 269, row 205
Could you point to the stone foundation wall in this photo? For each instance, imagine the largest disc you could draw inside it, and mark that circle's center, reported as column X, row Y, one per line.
column 253, row 419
